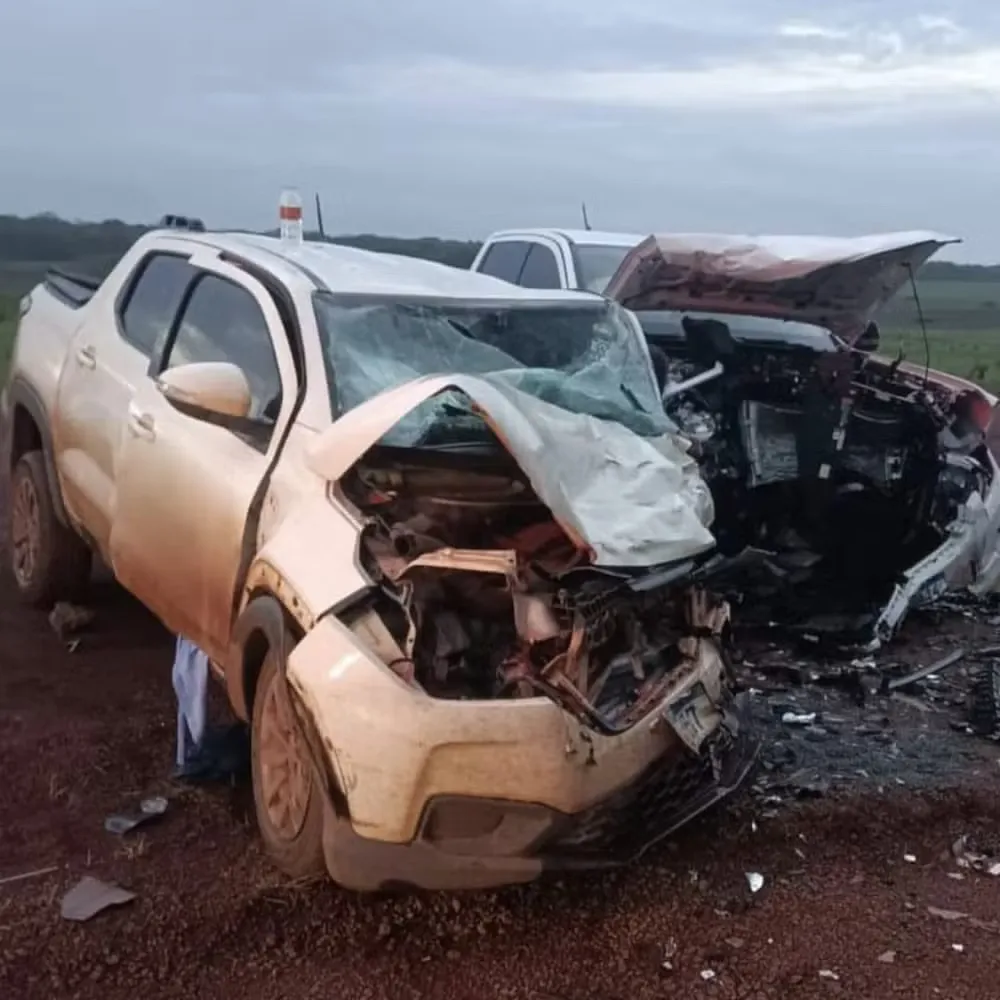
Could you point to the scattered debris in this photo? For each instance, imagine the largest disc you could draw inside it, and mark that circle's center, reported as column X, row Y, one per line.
column 918, row 675
column 755, row 880
column 828, row 974
column 708, row 975
column 887, row 957
column 958, row 947
column 90, row 896
column 149, row 809
column 66, row 619
column 936, row 911
column 38, row 872
column 798, row 719
column 910, row 859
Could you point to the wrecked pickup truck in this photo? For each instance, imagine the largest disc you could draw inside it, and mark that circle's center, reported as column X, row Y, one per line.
column 849, row 487
column 435, row 533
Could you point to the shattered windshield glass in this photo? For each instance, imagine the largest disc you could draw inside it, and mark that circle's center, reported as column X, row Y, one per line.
column 583, row 357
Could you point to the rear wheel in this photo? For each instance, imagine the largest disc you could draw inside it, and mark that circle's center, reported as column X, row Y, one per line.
column 288, row 797
column 49, row 561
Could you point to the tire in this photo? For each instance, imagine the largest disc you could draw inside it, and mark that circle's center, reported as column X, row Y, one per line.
column 984, row 702
column 49, row 561
column 291, row 826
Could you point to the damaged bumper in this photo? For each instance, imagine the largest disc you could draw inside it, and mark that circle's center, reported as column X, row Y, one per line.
column 486, row 793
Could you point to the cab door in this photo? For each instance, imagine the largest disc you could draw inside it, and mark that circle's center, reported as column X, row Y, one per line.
column 184, row 486
column 108, row 359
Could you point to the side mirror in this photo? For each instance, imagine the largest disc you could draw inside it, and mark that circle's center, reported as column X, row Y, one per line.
column 207, row 390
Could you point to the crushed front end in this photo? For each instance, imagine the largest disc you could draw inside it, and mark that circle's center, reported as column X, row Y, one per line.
column 497, row 705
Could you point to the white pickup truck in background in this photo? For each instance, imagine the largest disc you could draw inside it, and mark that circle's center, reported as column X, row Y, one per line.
column 580, row 259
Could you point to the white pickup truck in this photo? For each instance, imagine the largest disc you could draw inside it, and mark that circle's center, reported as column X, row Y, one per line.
column 583, row 259
column 443, row 564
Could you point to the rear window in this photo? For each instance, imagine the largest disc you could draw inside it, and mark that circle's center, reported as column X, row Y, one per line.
column 153, row 300
column 505, row 260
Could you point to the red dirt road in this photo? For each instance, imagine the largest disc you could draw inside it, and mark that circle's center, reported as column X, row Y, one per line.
column 85, row 734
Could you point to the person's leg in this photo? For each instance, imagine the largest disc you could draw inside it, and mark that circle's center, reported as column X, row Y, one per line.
column 190, row 679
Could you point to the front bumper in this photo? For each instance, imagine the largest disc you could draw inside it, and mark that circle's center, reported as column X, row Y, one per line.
column 450, row 795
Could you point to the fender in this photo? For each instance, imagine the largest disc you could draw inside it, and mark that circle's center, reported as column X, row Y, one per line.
column 262, row 625
column 21, row 393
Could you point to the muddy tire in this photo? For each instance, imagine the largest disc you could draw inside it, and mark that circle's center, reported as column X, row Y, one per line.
column 288, row 797
column 49, row 561
column 984, row 702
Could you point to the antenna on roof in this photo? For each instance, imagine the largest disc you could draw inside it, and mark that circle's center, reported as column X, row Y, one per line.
column 319, row 218
column 586, row 221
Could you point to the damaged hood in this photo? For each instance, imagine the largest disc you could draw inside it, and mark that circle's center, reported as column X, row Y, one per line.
column 633, row 501
column 839, row 283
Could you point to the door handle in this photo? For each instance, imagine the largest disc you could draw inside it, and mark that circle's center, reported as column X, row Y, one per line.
column 141, row 425
column 87, row 357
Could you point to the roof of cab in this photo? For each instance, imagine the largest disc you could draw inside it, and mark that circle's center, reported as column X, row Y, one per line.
column 581, row 237
column 347, row 270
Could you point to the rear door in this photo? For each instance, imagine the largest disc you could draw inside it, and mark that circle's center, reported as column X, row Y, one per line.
column 107, row 360
column 505, row 260
column 185, row 487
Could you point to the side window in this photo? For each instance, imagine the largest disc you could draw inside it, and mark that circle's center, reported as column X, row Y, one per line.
column 540, row 269
column 505, row 260
column 223, row 322
column 153, row 300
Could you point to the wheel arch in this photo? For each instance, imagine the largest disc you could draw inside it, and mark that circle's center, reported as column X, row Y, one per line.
column 29, row 431
column 264, row 624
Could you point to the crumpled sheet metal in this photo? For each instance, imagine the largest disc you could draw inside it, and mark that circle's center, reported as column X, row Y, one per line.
column 634, row 501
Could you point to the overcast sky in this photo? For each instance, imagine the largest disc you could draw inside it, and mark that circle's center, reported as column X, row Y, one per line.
column 455, row 117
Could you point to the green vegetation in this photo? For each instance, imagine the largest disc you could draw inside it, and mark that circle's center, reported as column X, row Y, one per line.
column 8, row 314
column 961, row 303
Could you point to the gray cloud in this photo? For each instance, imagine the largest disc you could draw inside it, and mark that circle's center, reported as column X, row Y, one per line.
column 453, row 118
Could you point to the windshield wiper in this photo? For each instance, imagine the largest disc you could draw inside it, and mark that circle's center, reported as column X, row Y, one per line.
column 632, row 398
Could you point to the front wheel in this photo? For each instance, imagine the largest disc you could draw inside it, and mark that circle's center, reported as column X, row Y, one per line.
column 49, row 561
column 287, row 795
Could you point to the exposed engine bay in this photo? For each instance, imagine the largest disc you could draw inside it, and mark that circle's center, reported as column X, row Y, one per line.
column 836, row 470
column 482, row 594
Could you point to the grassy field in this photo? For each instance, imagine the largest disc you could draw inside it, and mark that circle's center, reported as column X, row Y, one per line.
column 8, row 314
column 963, row 323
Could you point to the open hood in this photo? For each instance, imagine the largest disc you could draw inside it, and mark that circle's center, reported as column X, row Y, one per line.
column 839, row 283
column 632, row 501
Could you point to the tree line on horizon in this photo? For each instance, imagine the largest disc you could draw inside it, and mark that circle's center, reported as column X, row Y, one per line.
column 29, row 245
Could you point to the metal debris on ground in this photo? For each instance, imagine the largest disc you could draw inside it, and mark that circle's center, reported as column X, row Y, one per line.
column 755, row 880
column 66, row 619
column 828, row 974
column 90, row 896
column 798, row 718
column 922, row 673
column 149, row 809
column 887, row 957
column 708, row 975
